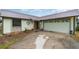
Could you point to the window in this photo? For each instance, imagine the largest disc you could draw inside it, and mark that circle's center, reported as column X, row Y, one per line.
column 16, row 22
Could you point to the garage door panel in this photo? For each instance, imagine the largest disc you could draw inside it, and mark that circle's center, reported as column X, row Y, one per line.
column 58, row 27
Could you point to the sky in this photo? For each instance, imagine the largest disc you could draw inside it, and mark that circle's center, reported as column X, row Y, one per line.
column 39, row 12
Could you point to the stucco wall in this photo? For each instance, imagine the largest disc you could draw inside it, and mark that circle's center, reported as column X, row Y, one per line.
column 72, row 19
column 7, row 25
column 16, row 29
column 76, row 18
column 27, row 25
column 41, row 24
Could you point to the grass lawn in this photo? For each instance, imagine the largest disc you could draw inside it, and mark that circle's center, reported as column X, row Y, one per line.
column 7, row 40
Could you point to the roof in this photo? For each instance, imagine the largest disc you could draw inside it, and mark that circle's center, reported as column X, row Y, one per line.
column 7, row 13
column 69, row 13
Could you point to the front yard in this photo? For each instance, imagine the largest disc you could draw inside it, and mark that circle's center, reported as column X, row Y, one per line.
column 76, row 36
column 46, row 40
column 30, row 40
column 8, row 40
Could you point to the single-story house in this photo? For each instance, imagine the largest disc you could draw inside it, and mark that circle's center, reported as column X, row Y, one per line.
column 65, row 22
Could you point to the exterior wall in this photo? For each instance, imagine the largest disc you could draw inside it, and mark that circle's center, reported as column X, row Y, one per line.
column 16, row 29
column 7, row 25
column 65, row 27
column 76, row 22
column 27, row 25
column 72, row 24
column 41, row 24
column 8, row 28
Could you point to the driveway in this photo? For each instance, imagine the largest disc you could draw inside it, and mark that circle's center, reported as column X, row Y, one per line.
column 46, row 40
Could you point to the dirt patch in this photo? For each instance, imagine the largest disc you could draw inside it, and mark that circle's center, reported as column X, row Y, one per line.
column 9, row 39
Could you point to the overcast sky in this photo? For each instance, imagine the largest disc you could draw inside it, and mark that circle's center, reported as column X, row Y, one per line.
column 39, row 12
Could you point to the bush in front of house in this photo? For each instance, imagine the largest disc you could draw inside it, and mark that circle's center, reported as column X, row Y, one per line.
column 7, row 40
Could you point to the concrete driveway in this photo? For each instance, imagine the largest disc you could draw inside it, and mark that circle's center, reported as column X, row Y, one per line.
column 46, row 40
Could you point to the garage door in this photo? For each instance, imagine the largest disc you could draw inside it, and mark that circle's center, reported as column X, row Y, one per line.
column 59, row 26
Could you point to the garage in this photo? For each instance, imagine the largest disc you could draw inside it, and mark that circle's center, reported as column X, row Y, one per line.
column 57, row 25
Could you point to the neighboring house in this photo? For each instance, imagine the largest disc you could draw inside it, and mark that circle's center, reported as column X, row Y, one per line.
column 65, row 22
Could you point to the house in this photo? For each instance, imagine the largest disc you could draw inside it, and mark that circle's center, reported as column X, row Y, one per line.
column 15, row 22
column 65, row 22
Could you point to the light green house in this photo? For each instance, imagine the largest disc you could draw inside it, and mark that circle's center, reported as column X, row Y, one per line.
column 64, row 22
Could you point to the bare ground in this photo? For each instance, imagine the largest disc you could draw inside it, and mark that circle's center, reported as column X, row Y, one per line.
column 55, row 41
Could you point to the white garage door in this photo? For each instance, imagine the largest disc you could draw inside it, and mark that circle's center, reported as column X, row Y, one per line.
column 57, row 26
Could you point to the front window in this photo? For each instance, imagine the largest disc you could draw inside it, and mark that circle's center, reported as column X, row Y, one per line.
column 16, row 22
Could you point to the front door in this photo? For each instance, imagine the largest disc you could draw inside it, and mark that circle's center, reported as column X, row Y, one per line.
column 36, row 25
